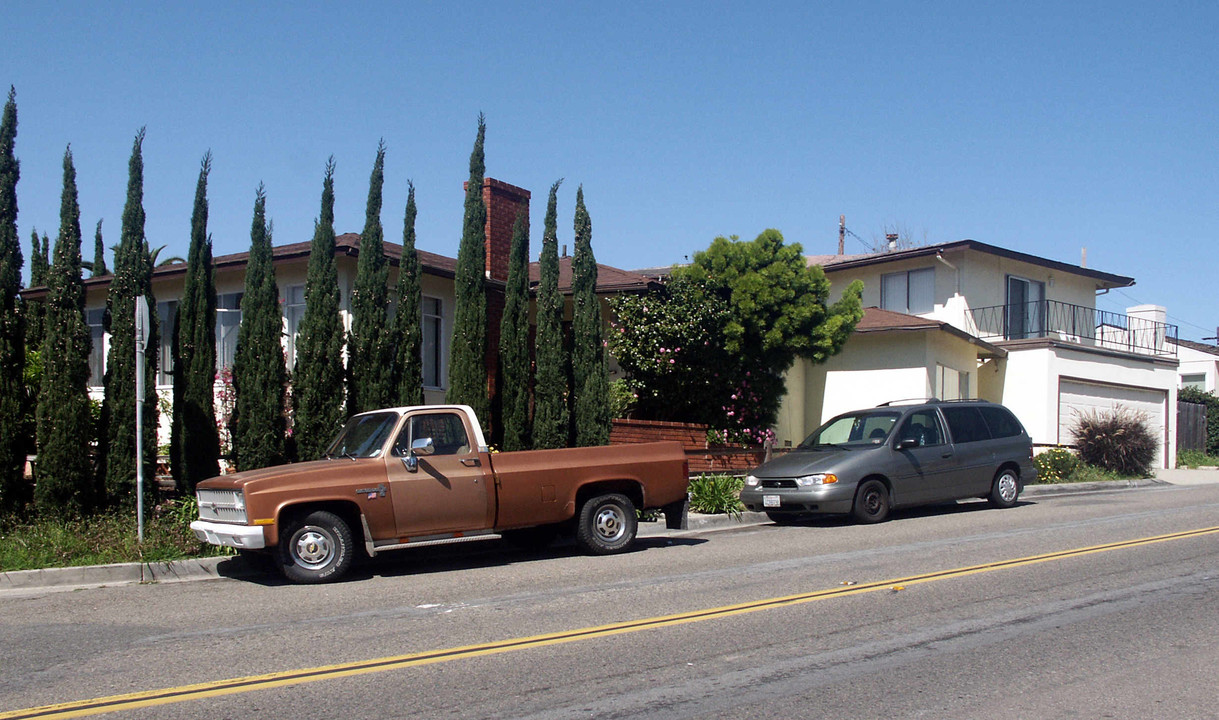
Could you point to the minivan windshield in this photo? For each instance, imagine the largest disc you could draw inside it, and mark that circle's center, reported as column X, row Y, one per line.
column 363, row 436
column 870, row 427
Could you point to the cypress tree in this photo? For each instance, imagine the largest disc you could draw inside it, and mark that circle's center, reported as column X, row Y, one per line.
column 12, row 331
column 317, row 397
column 259, row 375
column 550, row 424
column 408, row 329
column 370, row 354
column 36, row 311
column 132, row 278
column 99, row 253
column 514, row 342
column 195, row 440
column 65, row 483
column 468, row 350
column 590, row 381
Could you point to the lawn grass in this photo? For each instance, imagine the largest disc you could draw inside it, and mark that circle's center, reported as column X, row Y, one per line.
column 1195, row 458
column 100, row 539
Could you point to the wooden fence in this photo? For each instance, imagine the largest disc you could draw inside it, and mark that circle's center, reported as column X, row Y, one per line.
column 1191, row 426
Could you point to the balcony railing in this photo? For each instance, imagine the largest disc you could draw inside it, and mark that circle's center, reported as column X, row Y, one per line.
column 1077, row 324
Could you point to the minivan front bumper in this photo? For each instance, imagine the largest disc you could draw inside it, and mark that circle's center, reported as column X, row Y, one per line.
column 830, row 499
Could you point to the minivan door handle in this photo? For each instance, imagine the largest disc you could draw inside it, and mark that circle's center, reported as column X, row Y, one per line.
column 947, row 454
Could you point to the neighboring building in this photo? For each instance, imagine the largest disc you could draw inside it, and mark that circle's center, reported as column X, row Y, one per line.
column 966, row 319
column 291, row 265
column 1199, row 365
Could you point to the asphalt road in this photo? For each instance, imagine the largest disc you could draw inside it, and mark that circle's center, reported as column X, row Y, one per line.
column 1095, row 605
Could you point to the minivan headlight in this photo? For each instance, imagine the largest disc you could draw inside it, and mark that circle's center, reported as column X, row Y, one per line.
column 817, row 479
column 751, row 480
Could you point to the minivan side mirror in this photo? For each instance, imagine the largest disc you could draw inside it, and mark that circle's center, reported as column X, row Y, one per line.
column 907, row 443
column 421, row 446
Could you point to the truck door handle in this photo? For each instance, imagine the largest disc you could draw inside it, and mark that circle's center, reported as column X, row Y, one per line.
column 471, row 462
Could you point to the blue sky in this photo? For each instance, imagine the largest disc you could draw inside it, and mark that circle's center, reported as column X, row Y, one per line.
column 1041, row 127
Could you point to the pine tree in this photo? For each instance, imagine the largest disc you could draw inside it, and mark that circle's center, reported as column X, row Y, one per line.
column 259, row 375
column 408, row 329
column 317, row 396
column 65, row 482
column 99, row 253
column 36, row 311
column 12, row 331
column 550, row 415
column 468, row 350
column 514, row 342
column 195, row 440
column 369, row 364
column 132, row 278
column 590, row 385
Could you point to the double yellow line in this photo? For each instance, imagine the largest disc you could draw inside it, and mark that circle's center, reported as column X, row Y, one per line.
column 251, row 683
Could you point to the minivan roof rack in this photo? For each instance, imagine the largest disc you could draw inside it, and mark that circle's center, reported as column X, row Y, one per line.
column 929, row 401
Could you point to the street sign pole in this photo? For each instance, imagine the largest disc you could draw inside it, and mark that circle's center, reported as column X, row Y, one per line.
column 141, row 337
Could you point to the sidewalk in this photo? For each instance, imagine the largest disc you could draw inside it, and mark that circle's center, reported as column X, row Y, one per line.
column 24, row 582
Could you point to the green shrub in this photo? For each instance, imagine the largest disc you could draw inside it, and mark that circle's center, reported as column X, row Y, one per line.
column 716, row 495
column 1195, row 458
column 1118, row 439
column 1055, row 465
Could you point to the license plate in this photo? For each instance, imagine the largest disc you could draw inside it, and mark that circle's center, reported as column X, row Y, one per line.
column 770, row 501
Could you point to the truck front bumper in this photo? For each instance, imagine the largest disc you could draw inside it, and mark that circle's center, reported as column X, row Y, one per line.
column 242, row 537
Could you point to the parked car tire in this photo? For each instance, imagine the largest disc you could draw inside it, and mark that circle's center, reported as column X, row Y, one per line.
column 1004, row 489
column 607, row 524
column 316, row 548
column 871, row 502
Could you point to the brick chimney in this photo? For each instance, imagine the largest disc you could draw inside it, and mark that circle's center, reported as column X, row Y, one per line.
column 503, row 203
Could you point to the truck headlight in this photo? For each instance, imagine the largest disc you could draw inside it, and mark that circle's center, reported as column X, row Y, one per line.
column 817, row 479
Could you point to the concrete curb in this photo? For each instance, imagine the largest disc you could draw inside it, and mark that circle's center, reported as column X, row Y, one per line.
column 125, row 574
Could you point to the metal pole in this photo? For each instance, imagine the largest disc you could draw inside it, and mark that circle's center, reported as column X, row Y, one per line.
column 141, row 336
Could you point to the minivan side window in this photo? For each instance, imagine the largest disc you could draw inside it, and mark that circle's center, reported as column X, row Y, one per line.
column 966, row 424
column 923, row 427
column 1001, row 422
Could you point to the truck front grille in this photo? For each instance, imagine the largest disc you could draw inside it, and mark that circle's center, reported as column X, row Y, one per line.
column 222, row 506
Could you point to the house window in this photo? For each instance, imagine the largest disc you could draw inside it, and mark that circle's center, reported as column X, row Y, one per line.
column 1025, row 315
column 910, row 292
column 951, row 384
column 294, row 313
column 97, row 353
column 228, row 321
column 167, row 311
column 1196, row 381
column 433, row 345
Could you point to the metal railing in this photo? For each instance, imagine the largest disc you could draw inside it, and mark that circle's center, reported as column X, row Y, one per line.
column 1077, row 324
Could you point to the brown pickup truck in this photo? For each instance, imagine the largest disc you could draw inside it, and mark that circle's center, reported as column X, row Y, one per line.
column 414, row 476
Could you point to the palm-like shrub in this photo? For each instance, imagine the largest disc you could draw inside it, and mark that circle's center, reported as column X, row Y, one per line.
column 716, row 494
column 1118, row 439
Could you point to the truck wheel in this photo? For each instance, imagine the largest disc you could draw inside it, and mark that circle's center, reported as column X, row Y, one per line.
column 607, row 524
column 316, row 548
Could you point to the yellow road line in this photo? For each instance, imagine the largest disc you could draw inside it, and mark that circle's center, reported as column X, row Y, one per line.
column 232, row 686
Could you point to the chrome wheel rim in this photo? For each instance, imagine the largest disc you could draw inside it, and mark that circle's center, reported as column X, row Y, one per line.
column 313, row 548
column 610, row 523
column 1007, row 487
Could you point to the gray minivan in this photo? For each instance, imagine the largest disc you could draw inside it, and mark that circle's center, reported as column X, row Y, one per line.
column 866, row 462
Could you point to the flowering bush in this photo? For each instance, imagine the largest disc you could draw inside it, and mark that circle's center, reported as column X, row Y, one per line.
column 1055, row 465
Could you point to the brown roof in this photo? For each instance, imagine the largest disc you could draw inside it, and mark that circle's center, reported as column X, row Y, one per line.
column 609, row 279
column 877, row 320
column 842, row 262
column 1200, row 347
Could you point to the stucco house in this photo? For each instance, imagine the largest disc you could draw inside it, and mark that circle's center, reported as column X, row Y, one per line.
column 970, row 320
column 1199, row 365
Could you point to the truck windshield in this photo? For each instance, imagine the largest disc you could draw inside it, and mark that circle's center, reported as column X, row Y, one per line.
column 855, row 429
column 363, row 436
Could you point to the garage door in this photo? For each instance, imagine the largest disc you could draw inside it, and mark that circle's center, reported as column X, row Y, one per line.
column 1075, row 397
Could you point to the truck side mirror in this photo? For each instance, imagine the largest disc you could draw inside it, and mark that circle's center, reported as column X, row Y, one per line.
column 421, row 446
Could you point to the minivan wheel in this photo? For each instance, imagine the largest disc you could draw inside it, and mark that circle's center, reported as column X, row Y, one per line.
column 871, row 502
column 1005, row 489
